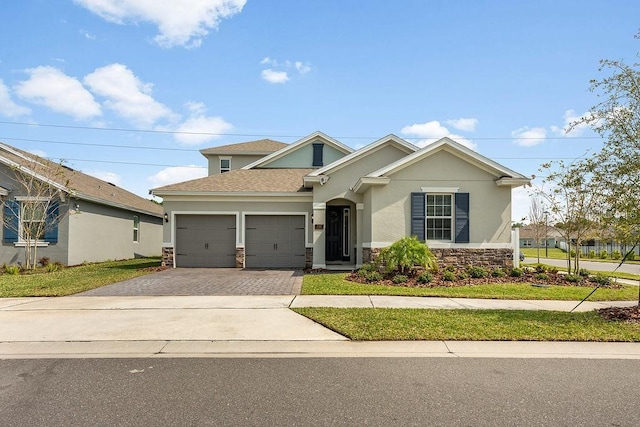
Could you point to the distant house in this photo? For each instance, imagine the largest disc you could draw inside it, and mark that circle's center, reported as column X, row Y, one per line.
column 91, row 219
column 317, row 203
column 548, row 236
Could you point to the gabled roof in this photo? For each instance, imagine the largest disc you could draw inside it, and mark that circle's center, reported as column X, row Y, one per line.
column 75, row 183
column 300, row 143
column 457, row 149
column 241, row 181
column 258, row 147
column 349, row 159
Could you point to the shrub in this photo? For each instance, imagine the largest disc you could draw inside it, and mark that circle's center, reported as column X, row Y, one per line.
column 573, row 278
column 44, row 261
column 552, row 270
column 405, row 254
column 515, row 272
column 541, row 276
column 450, row 268
column 477, row 272
column 374, row 276
column 583, row 272
column 365, row 270
column 449, row 276
column 12, row 269
column 592, row 254
column 572, row 253
column 630, row 256
column 400, row 278
column 616, row 255
column 51, row 267
column 425, row 277
column 541, row 268
column 604, row 254
column 601, row 279
column 462, row 275
column 498, row 272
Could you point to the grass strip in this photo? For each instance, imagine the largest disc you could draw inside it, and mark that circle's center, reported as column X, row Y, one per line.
column 393, row 324
column 336, row 284
column 72, row 280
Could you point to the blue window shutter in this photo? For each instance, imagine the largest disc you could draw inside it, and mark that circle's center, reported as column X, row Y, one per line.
column 462, row 217
column 51, row 225
column 10, row 226
column 417, row 215
column 317, row 154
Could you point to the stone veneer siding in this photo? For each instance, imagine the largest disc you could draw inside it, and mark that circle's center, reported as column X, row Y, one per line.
column 308, row 259
column 240, row 257
column 167, row 257
column 459, row 257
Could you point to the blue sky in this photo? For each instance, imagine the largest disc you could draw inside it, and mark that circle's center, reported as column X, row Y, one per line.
column 130, row 90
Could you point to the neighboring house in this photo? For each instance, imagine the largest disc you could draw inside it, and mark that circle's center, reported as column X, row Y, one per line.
column 91, row 220
column 546, row 234
column 318, row 203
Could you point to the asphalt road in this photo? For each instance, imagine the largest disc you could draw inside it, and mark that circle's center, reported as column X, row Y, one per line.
column 333, row 391
column 589, row 265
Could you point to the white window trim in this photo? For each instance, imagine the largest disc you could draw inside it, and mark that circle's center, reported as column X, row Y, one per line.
column 21, row 243
column 220, row 164
column 136, row 228
column 451, row 217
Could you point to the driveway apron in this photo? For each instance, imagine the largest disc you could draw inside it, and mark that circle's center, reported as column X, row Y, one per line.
column 206, row 281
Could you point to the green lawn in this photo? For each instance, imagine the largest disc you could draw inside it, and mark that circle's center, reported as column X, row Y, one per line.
column 335, row 284
column 72, row 280
column 390, row 324
column 560, row 254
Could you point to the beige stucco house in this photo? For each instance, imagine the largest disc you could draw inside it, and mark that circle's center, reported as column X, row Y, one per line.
column 318, row 203
column 84, row 218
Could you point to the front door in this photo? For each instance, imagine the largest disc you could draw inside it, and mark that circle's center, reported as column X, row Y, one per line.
column 337, row 234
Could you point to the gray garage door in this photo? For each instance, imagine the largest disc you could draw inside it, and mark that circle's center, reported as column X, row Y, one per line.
column 275, row 241
column 205, row 241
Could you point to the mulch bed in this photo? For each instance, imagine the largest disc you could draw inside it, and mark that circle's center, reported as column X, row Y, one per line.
column 621, row 314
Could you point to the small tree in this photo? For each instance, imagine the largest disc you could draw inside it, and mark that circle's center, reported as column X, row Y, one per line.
column 41, row 186
column 537, row 221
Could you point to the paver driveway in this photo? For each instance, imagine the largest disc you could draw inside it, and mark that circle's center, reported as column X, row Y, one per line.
column 206, row 281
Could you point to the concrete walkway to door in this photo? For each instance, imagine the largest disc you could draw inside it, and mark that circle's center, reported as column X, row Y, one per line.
column 206, row 281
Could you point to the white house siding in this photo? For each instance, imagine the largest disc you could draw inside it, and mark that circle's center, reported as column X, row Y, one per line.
column 98, row 233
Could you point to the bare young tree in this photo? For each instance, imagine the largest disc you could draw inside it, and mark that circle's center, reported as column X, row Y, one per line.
column 537, row 221
column 35, row 209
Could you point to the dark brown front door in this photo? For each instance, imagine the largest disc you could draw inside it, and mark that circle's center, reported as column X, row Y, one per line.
column 337, row 234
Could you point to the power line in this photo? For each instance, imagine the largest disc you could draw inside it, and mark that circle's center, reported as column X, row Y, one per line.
column 138, row 147
column 60, row 159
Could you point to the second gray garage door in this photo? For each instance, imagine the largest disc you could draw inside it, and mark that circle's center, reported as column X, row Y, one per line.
column 275, row 241
column 205, row 241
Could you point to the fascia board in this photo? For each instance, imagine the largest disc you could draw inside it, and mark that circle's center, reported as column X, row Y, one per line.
column 231, row 194
column 512, row 182
column 409, row 148
column 32, row 173
column 365, row 182
column 100, row 201
column 295, row 146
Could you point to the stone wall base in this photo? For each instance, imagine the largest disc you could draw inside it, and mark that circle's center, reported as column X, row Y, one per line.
column 240, row 257
column 167, row 257
column 459, row 257
column 308, row 258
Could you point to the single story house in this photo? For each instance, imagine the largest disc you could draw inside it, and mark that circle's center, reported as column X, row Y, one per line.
column 547, row 236
column 318, row 203
column 83, row 218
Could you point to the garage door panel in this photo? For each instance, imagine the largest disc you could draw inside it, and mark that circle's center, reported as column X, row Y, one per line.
column 205, row 240
column 275, row 241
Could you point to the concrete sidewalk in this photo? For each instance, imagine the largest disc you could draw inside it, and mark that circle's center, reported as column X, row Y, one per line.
column 249, row 326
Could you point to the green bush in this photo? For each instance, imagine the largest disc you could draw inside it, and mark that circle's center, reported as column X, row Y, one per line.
column 449, row 276
column 374, row 276
column 450, row 268
column 541, row 276
column 604, row 254
column 573, row 278
column 616, row 255
column 366, row 269
column 12, row 269
column 406, row 254
column 400, row 278
column 516, row 272
column 477, row 272
column 425, row 277
column 541, row 268
column 592, row 254
column 462, row 275
column 583, row 272
column 630, row 256
column 51, row 267
column 498, row 272
column 572, row 253
column 601, row 279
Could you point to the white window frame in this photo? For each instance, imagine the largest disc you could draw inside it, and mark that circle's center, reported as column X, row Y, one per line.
column 450, row 217
column 136, row 228
column 26, row 199
column 227, row 168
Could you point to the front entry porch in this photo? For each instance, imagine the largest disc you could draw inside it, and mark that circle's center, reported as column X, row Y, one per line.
column 336, row 237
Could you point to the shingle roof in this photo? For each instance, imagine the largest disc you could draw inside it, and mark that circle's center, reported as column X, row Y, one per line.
column 260, row 146
column 241, row 180
column 82, row 186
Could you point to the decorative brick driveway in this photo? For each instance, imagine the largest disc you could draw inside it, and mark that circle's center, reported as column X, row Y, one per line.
column 206, row 281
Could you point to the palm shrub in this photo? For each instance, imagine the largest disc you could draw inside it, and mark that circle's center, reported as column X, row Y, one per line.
column 406, row 254
column 616, row 255
column 604, row 254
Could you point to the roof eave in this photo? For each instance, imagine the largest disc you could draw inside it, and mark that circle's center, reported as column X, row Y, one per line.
column 367, row 182
column 512, row 182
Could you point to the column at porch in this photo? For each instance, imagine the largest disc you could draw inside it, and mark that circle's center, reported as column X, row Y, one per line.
column 359, row 213
column 319, row 224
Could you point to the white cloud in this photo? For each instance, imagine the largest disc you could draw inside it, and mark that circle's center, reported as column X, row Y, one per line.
column 302, row 68
column 52, row 88
column 432, row 131
column 196, row 107
column 127, row 95
column 7, row 106
column 465, row 124
column 571, row 117
column 204, row 129
column 111, row 177
column 528, row 137
column 268, row 61
column 180, row 23
column 273, row 76
column 174, row 174
column 87, row 35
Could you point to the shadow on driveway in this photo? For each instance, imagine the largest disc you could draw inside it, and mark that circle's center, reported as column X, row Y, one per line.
column 206, row 281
